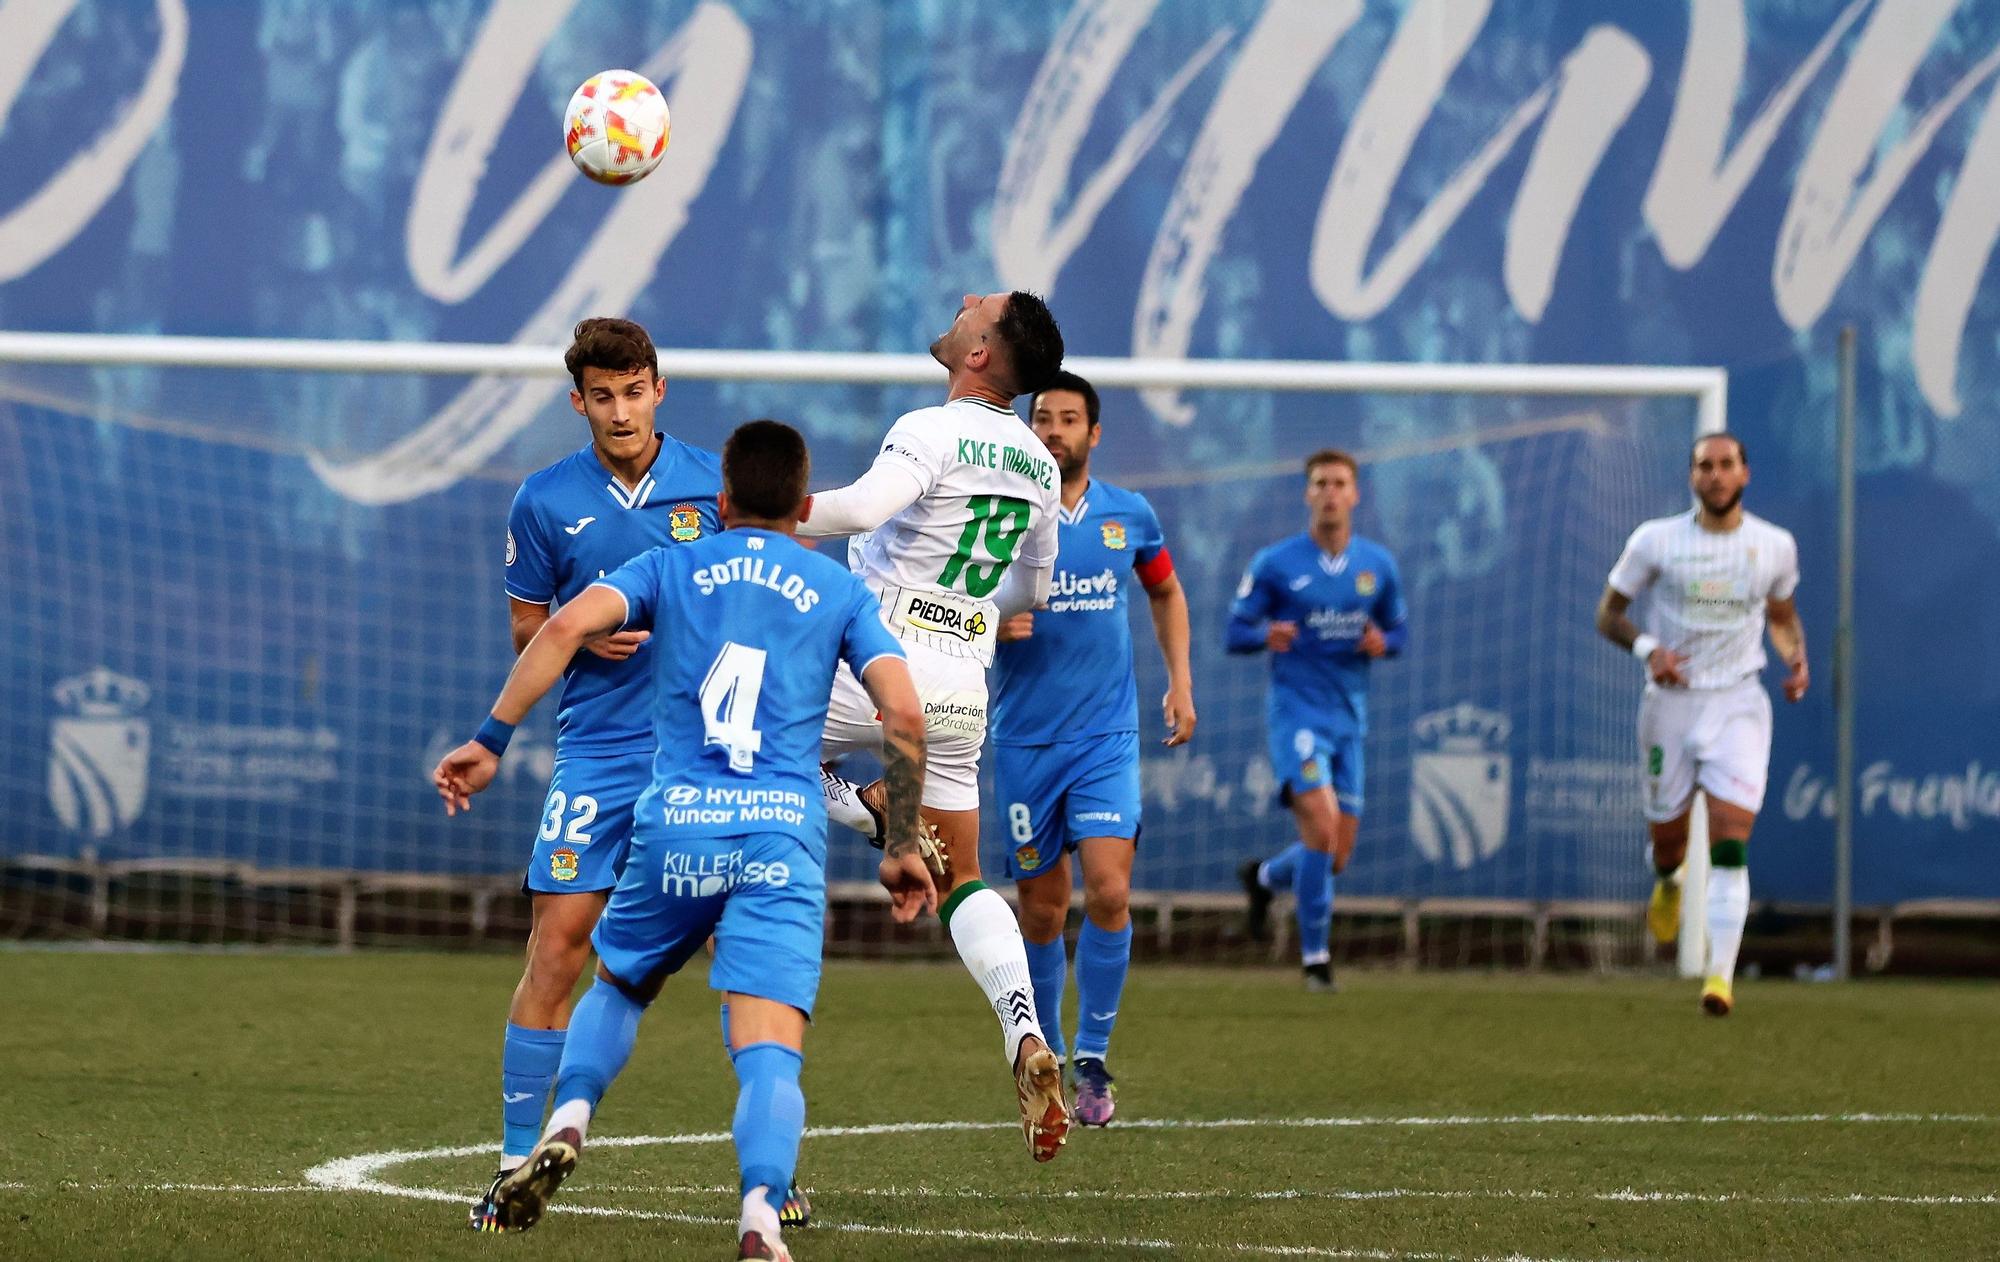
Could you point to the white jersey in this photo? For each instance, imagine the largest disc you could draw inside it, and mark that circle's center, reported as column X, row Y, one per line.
column 991, row 495
column 1708, row 590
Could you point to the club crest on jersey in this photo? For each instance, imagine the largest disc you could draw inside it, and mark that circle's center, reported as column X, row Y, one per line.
column 1027, row 858
column 1364, row 583
column 1114, row 535
column 562, row 865
column 510, row 547
column 684, row 523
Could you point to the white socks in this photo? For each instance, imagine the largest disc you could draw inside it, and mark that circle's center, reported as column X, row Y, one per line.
column 988, row 939
column 1728, row 908
column 758, row 1216
column 843, row 803
column 569, row 1115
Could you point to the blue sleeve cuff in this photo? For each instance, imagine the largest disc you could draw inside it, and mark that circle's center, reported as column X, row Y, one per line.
column 1395, row 638
column 494, row 735
column 1244, row 636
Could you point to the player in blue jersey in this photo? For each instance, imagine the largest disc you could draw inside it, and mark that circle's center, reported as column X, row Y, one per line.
column 1066, row 734
column 730, row 839
column 1326, row 603
column 632, row 488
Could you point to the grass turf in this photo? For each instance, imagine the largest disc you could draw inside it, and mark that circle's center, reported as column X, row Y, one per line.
column 127, row 1073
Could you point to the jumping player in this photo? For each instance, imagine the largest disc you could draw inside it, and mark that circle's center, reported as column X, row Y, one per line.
column 956, row 530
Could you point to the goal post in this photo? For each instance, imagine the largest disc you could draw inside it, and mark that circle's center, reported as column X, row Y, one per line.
column 278, row 759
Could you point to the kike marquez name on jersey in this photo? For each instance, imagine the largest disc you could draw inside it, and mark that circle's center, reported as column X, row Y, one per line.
column 1007, row 459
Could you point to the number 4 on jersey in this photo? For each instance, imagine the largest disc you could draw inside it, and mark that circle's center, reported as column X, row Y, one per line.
column 1002, row 520
column 729, row 703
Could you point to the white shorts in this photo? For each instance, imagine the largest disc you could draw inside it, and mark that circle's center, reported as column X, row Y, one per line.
column 1717, row 738
column 953, row 690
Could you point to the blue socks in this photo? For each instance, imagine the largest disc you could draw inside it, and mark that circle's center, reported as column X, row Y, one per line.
column 1277, row 873
column 1102, row 960
column 528, row 1061
column 1048, row 970
column 1312, row 890
column 770, row 1118
column 602, row 1030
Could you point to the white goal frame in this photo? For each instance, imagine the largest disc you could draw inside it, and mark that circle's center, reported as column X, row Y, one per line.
column 1708, row 387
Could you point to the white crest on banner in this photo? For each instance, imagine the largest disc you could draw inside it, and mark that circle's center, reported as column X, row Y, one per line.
column 98, row 752
column 1461, row 780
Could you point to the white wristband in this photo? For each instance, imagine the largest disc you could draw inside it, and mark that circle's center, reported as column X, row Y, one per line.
column 1642, row 648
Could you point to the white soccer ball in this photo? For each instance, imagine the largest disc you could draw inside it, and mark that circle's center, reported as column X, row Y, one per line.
column 616, row 127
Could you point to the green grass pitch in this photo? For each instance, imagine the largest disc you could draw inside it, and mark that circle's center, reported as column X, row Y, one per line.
column 166, row 1105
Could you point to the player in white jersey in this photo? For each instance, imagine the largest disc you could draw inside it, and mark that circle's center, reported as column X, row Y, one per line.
column 1713, row 577
column 955, row 527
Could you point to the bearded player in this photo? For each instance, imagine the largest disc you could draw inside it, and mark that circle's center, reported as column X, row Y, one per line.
column 1714, row 578
column 955, row 527
column 1066, row 735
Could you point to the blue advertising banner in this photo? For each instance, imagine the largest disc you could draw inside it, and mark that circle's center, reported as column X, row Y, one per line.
column 244, row 611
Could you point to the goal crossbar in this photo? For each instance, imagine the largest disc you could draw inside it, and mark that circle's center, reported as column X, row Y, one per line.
column 1709, row 387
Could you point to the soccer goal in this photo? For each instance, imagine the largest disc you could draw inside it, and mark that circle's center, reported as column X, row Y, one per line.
column 256, row 589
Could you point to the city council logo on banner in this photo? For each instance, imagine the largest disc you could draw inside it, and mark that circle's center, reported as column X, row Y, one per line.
column 98, row 750
column 1460, row 782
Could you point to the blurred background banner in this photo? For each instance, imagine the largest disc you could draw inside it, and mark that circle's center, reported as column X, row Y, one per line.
column 242, row 612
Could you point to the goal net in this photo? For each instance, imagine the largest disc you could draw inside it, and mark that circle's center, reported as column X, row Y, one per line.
column 255, row 592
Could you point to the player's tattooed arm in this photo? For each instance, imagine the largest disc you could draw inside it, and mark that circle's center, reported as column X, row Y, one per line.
column 1788, row 636
column 1663, row 664
column 1612, row 622
column 903, row 781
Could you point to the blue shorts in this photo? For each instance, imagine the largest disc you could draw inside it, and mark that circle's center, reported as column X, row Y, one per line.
column 586, row 823
column 1053, row 796
column 1311, row 757
column 762, row 897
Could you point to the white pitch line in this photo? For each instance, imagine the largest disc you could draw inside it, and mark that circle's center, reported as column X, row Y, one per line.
column 359, row 1173
column 1619, row 1196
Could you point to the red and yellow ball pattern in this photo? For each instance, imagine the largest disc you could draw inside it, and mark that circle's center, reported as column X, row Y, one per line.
column 616, row 127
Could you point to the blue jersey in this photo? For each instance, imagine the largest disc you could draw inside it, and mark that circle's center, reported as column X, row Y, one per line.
column 1072, row 679
column 571, row 524
column 750, row 626
column 1322, row 681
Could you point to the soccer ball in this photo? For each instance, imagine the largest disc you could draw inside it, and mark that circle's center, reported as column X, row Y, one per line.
column 616, row 127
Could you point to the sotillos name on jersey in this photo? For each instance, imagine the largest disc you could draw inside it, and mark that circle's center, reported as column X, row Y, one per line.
column 1008, row 460
column 761, row 572
column 1072, row 593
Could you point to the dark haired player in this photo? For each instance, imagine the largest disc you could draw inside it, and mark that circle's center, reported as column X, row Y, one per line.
column 730, row 839
column 955, row 527
column 631, row 488
column 1066, row 735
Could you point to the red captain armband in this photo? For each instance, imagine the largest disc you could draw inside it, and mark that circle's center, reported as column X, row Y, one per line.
column 1156, row 571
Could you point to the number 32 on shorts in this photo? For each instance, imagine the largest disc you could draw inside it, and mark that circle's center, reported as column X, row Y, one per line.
column 582, row 810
